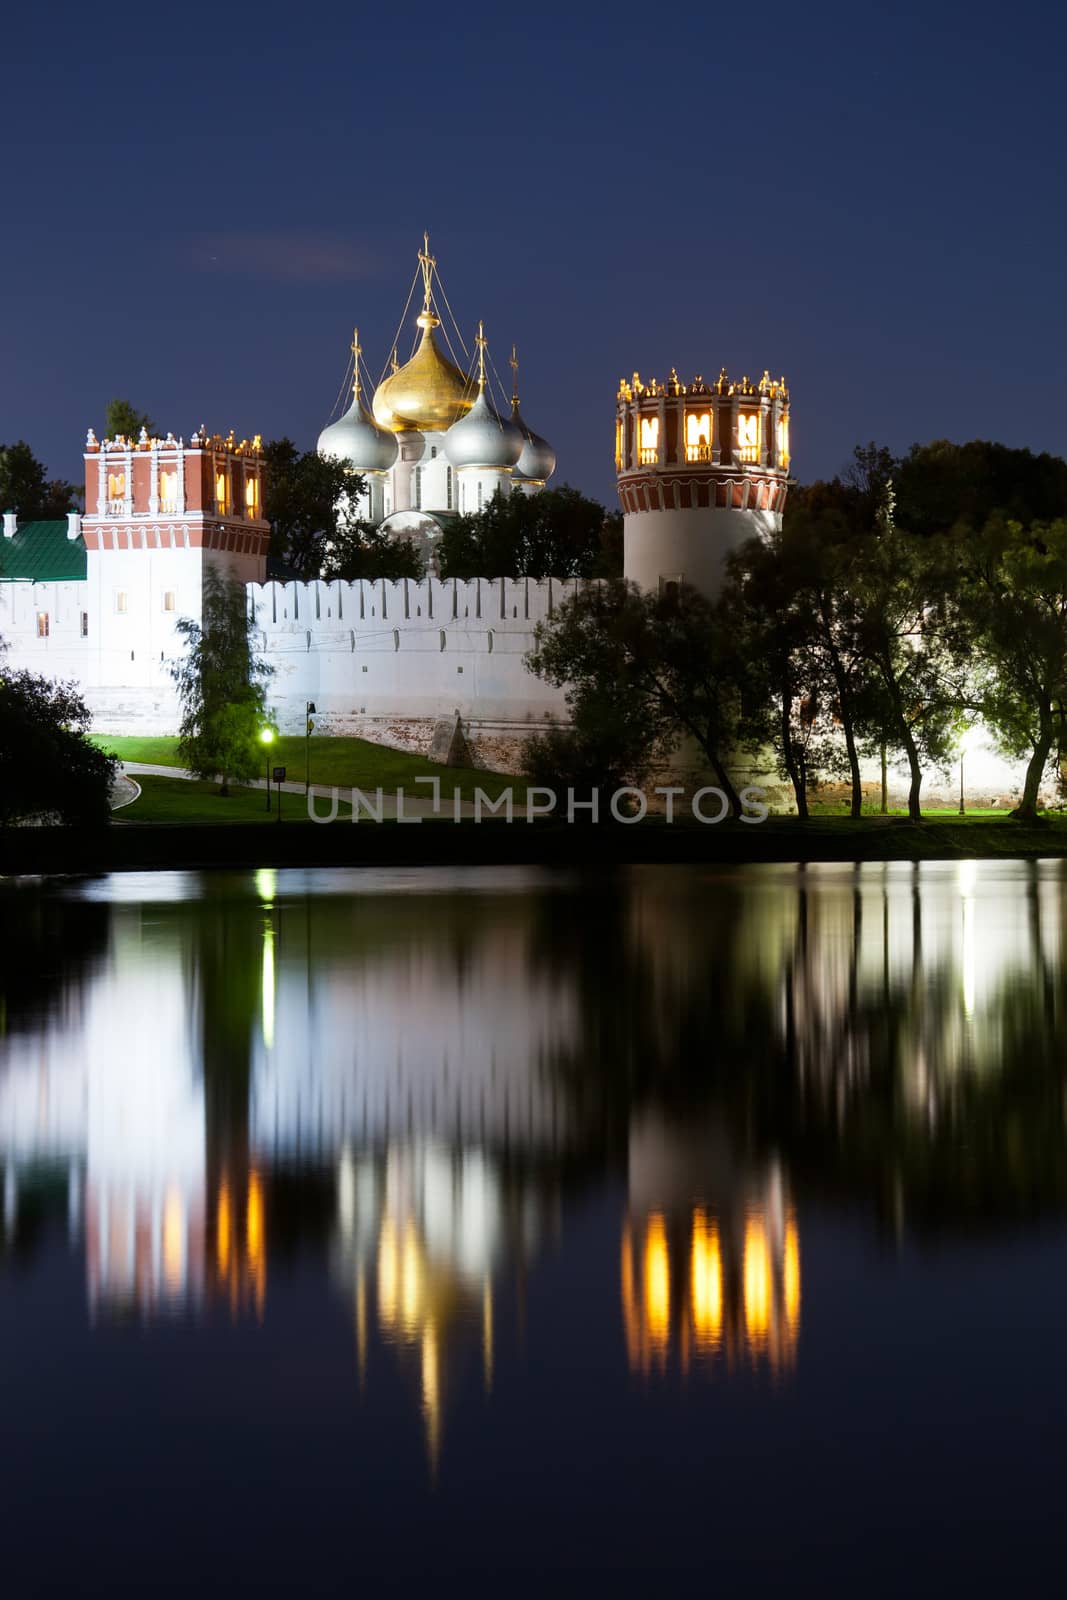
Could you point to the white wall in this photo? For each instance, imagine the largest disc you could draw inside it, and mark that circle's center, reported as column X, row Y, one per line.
column 691, row 544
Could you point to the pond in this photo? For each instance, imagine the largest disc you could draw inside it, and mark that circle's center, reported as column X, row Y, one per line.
column 497, row 1228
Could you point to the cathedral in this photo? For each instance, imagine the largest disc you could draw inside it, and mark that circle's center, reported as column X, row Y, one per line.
column 433, row 445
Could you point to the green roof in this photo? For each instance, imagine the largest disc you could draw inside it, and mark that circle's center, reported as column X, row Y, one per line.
column 40, row 552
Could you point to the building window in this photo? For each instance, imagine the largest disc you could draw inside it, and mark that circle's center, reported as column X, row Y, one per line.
column 748, row 436
column 670, row 589
column 618, row 443
column 42, row 624
column 168, row 493
column 85, row 624
column 648, row 453
column 433, row 452
column 168, row 599
column 252, row 497
column 698, row 436
column 222, row 493
column 479, row 494
column 116, row 493
column 783, row 442
column 448, row 488
column 418, row 488
column 122, row 600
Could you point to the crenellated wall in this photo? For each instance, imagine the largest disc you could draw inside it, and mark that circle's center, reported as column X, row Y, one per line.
column 384, row 660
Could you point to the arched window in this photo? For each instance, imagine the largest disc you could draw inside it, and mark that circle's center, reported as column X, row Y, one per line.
column 783, row 442
column 168, row 493
column 648, row 453
column 698, row 436
column 748, row 436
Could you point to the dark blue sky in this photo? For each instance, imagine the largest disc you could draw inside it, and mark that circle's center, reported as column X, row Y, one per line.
column 199, row 202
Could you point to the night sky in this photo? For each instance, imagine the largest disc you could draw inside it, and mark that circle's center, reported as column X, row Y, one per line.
column 199, row 203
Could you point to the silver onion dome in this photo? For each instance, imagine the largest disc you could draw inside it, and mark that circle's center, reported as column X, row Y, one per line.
column 357, row 439
column 538, row 459
column 483, row 438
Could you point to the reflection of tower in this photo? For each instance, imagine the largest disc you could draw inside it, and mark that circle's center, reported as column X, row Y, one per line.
column 700, row 470
column 423, row 1230
column 710, row 1254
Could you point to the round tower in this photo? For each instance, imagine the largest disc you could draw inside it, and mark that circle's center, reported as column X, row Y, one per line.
column 701, row 469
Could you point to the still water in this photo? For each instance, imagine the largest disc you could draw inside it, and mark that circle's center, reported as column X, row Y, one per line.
column 495, row 1229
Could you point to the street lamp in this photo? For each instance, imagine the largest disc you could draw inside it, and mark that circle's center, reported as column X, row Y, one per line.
column 267, row 737
column 309, row 712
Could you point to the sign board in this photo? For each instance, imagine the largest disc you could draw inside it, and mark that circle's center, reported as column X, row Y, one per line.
column 279, row 774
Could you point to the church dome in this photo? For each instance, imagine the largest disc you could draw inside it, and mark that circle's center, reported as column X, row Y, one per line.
column 538, row 459
column 356, row 439
column 483, row 438
column 428, row 393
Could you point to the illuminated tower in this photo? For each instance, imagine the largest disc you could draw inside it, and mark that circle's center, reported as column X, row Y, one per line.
column 701, row 469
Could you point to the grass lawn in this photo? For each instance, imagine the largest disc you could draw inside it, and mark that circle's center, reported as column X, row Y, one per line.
column 188, row 800
column 346, row 763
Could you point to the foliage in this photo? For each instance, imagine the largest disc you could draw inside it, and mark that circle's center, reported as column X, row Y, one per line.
column 360, row 550
column 642, row 671
column 1010, row 603
column 559, row 533
column 25, row 490
column 940, row 485
column 308, row 500
column 221, row 687
column 121, row 418
column 47, row 765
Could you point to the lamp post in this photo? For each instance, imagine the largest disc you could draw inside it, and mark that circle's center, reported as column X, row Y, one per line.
column 967, row 741
column 309, row 712
column 267, row 737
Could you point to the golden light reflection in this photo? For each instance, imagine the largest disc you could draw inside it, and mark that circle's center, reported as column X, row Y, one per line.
column 705, row 1282
column 223, row 1230
column 738, row 1289
column 173, row 1242
column 757, row 1283
column 255, row 1240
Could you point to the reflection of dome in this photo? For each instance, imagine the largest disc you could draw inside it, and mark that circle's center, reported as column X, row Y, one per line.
column 426, row 393
column 357, row 439
column 538, row 459
column 483, row 438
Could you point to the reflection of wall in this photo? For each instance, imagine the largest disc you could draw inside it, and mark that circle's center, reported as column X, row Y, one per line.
column 710, row 1263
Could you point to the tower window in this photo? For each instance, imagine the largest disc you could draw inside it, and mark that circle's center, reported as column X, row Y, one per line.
column 116, row 492
column 222, row 492
column 252, row 497
column 418, row 488
column 698, row 436
column 783, row 442
column 85, row 624
column 42, row 624
column 618, row 443
column 122, row 601
column 648, row 454
column 168, row 599
column 168, row 493
column 748, row 436
column 433, row 452
column 448, row 488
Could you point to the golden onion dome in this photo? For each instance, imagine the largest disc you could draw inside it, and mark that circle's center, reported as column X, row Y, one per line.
column 428, row 392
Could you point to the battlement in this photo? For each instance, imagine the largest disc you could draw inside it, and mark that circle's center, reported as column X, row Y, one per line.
column 422, row 606
column 166, row 478
column 666, row 427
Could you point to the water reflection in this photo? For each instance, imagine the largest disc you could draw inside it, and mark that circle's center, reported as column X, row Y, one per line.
column 410, row 1082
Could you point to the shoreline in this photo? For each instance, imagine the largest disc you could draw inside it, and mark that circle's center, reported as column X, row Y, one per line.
column 131, row 846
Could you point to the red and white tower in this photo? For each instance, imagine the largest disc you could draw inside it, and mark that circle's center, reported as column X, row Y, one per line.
column 701, row 469
column 158, row 512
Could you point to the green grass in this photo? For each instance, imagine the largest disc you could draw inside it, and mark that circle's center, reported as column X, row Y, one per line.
column 189, row 800
column 346, row 763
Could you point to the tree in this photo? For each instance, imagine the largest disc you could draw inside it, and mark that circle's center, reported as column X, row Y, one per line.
column 121, row 418
column 221, row 685
column 360, row 550
column 665, row 664
column 308, row 500
column 47, row 764
column 1013, row 606
column 941, row 484
column 25, row 489
column 557, row 533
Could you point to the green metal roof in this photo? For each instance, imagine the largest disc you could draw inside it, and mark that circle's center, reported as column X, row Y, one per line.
column 40, row 552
